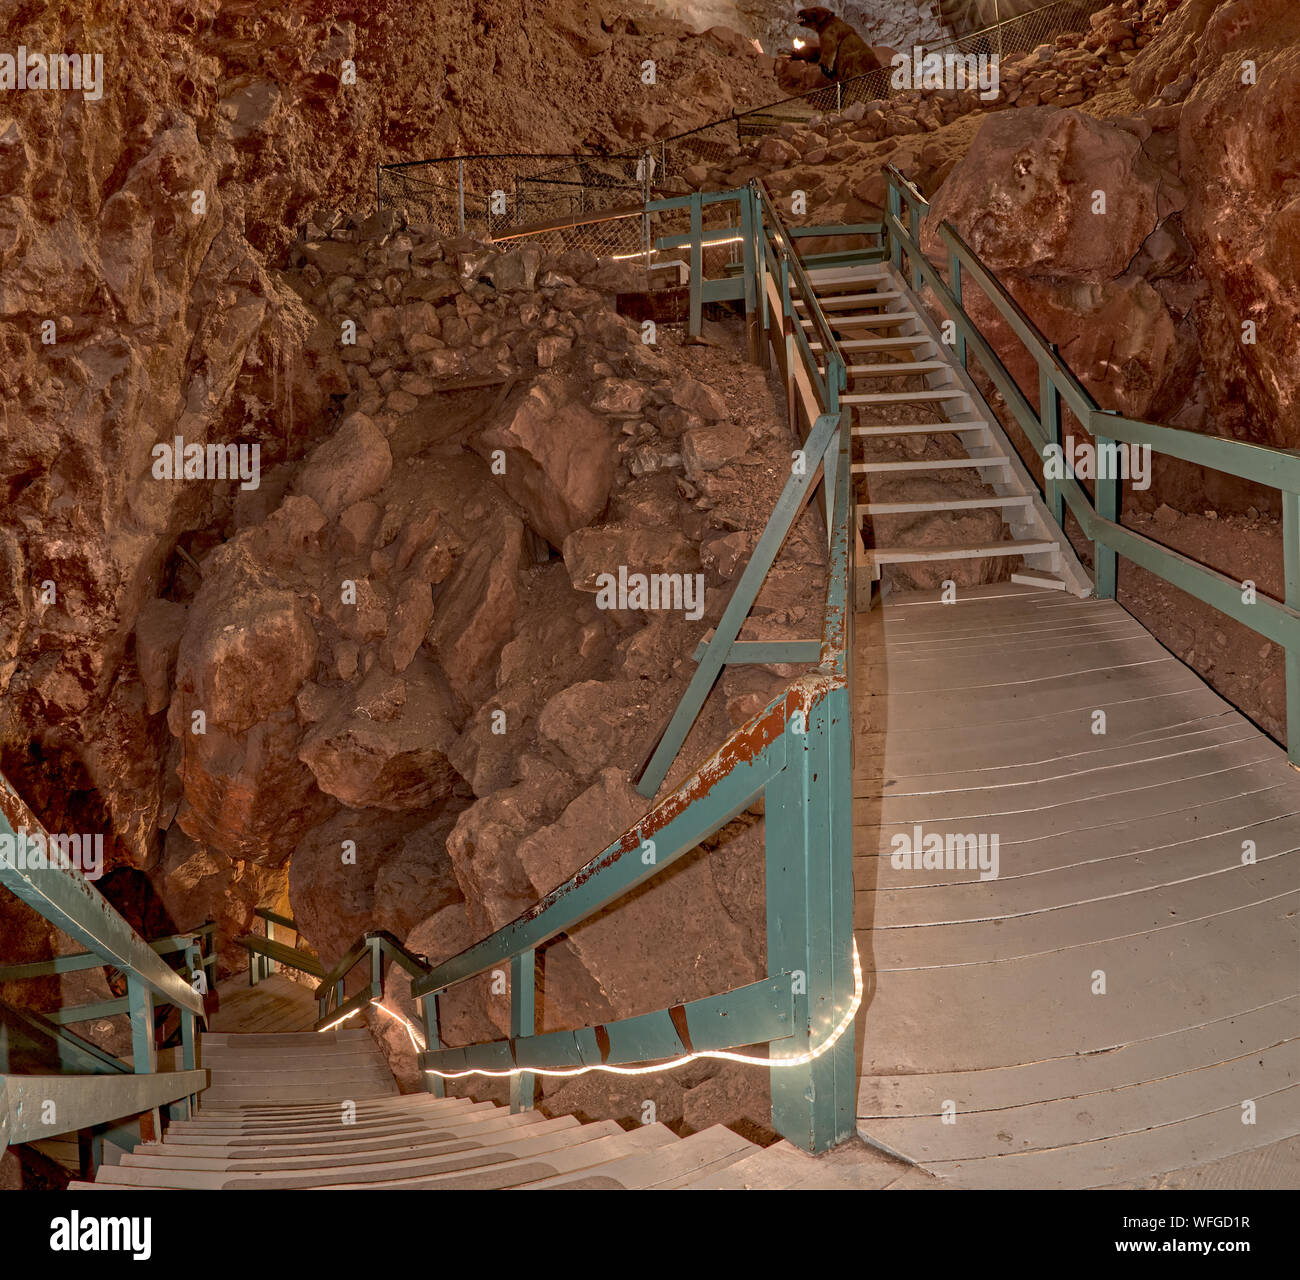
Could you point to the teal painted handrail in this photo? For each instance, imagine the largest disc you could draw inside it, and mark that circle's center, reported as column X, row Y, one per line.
column 1099, row 515
column 62, row 895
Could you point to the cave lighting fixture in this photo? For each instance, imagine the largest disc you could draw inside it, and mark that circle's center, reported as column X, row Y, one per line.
column 640, row 253
column 416, row 1039
column 799, row 1061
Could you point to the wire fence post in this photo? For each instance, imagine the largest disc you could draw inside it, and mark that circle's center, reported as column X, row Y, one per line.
column 460, row 194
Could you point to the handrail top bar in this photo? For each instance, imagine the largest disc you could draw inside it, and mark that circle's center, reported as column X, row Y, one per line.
column 906, row 186
column 1246, row 459
column 265, row 913
column 73, row 905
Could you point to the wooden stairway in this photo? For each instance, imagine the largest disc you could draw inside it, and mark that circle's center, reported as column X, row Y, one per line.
column 930, row 447
column 322, row 1111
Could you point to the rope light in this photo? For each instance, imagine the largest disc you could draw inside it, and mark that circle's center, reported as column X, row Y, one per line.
column 720, row 1055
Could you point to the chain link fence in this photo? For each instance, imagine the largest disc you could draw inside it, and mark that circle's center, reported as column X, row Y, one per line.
column 566, row 201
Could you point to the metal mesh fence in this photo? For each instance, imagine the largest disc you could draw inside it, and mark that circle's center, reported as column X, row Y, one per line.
column 495, row 196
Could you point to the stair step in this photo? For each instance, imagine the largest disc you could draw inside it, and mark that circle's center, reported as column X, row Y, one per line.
column 896, row 370
column 918, row 428
column 901, row 342
column 677, row 1164
column 519, row 1173
column 1037, row 578
column 881, row 319
column 961, row 551
column 853, row 299
column 376, row 1172
column 287, row 1039
column 931, row 464
column 905, row 397
column 435, row 1144
column 843, row 277
column 941, row 504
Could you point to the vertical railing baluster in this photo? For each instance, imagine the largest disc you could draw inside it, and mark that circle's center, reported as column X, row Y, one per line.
column 523, row 1022
column 954, row 286
column 697, row 265
column 1107, row 489
column 436, row 1085
column 1049, row 417
column 1291, row 568
column 913, row 254
column 895, row 215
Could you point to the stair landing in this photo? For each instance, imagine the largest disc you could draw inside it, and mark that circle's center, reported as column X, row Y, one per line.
column 1103, row 1010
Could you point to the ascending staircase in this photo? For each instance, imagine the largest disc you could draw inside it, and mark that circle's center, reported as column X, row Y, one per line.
column 929, row 448
column 321, row 1111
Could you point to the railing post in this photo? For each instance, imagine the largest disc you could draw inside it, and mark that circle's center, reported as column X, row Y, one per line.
column 788, row 320
column 697, row 265
column 523, row 1022
column 436, row 1085
column 914, row 222
column 954, row 285
column 460, row 194
column 1049, row 417
column 895, row 214
column 809, row 867
column 269, row 964
column 1291, row 567
column 760, row 256
column 1105, row 563
column 751, row 274
column 144, row 1056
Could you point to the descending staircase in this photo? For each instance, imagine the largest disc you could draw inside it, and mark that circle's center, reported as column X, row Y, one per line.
column 926, row 450
column 321, row 1111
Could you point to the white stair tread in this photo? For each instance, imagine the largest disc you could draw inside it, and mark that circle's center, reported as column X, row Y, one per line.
column 853, row 299
column 901, row 342
column 931, row 464
column 904, row 397
column 942, row 504
column 1036, row 578
column 896, row 369
column 879, row 318
column 918, row 428
column 962, row 551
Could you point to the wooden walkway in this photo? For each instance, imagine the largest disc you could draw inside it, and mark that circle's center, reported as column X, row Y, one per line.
column 277, row 1003
column 1125, row 993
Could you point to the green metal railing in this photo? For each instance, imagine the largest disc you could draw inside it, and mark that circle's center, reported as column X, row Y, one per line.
column 1099, row 514
column 63, row 896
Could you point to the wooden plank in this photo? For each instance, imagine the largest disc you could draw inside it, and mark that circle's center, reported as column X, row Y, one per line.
column 1022, row 1010
column 1172, row 1146
column 1129, row 1112
column 1082, row 1076
column 1045, row 931
column 898, row 901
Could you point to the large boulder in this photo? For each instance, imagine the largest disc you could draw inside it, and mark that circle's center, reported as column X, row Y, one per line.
column 1025, row 196
column 385, row 745
column 559, row 458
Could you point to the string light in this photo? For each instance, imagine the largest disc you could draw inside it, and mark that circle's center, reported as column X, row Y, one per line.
column 720, row 1055
column 416, row 1039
